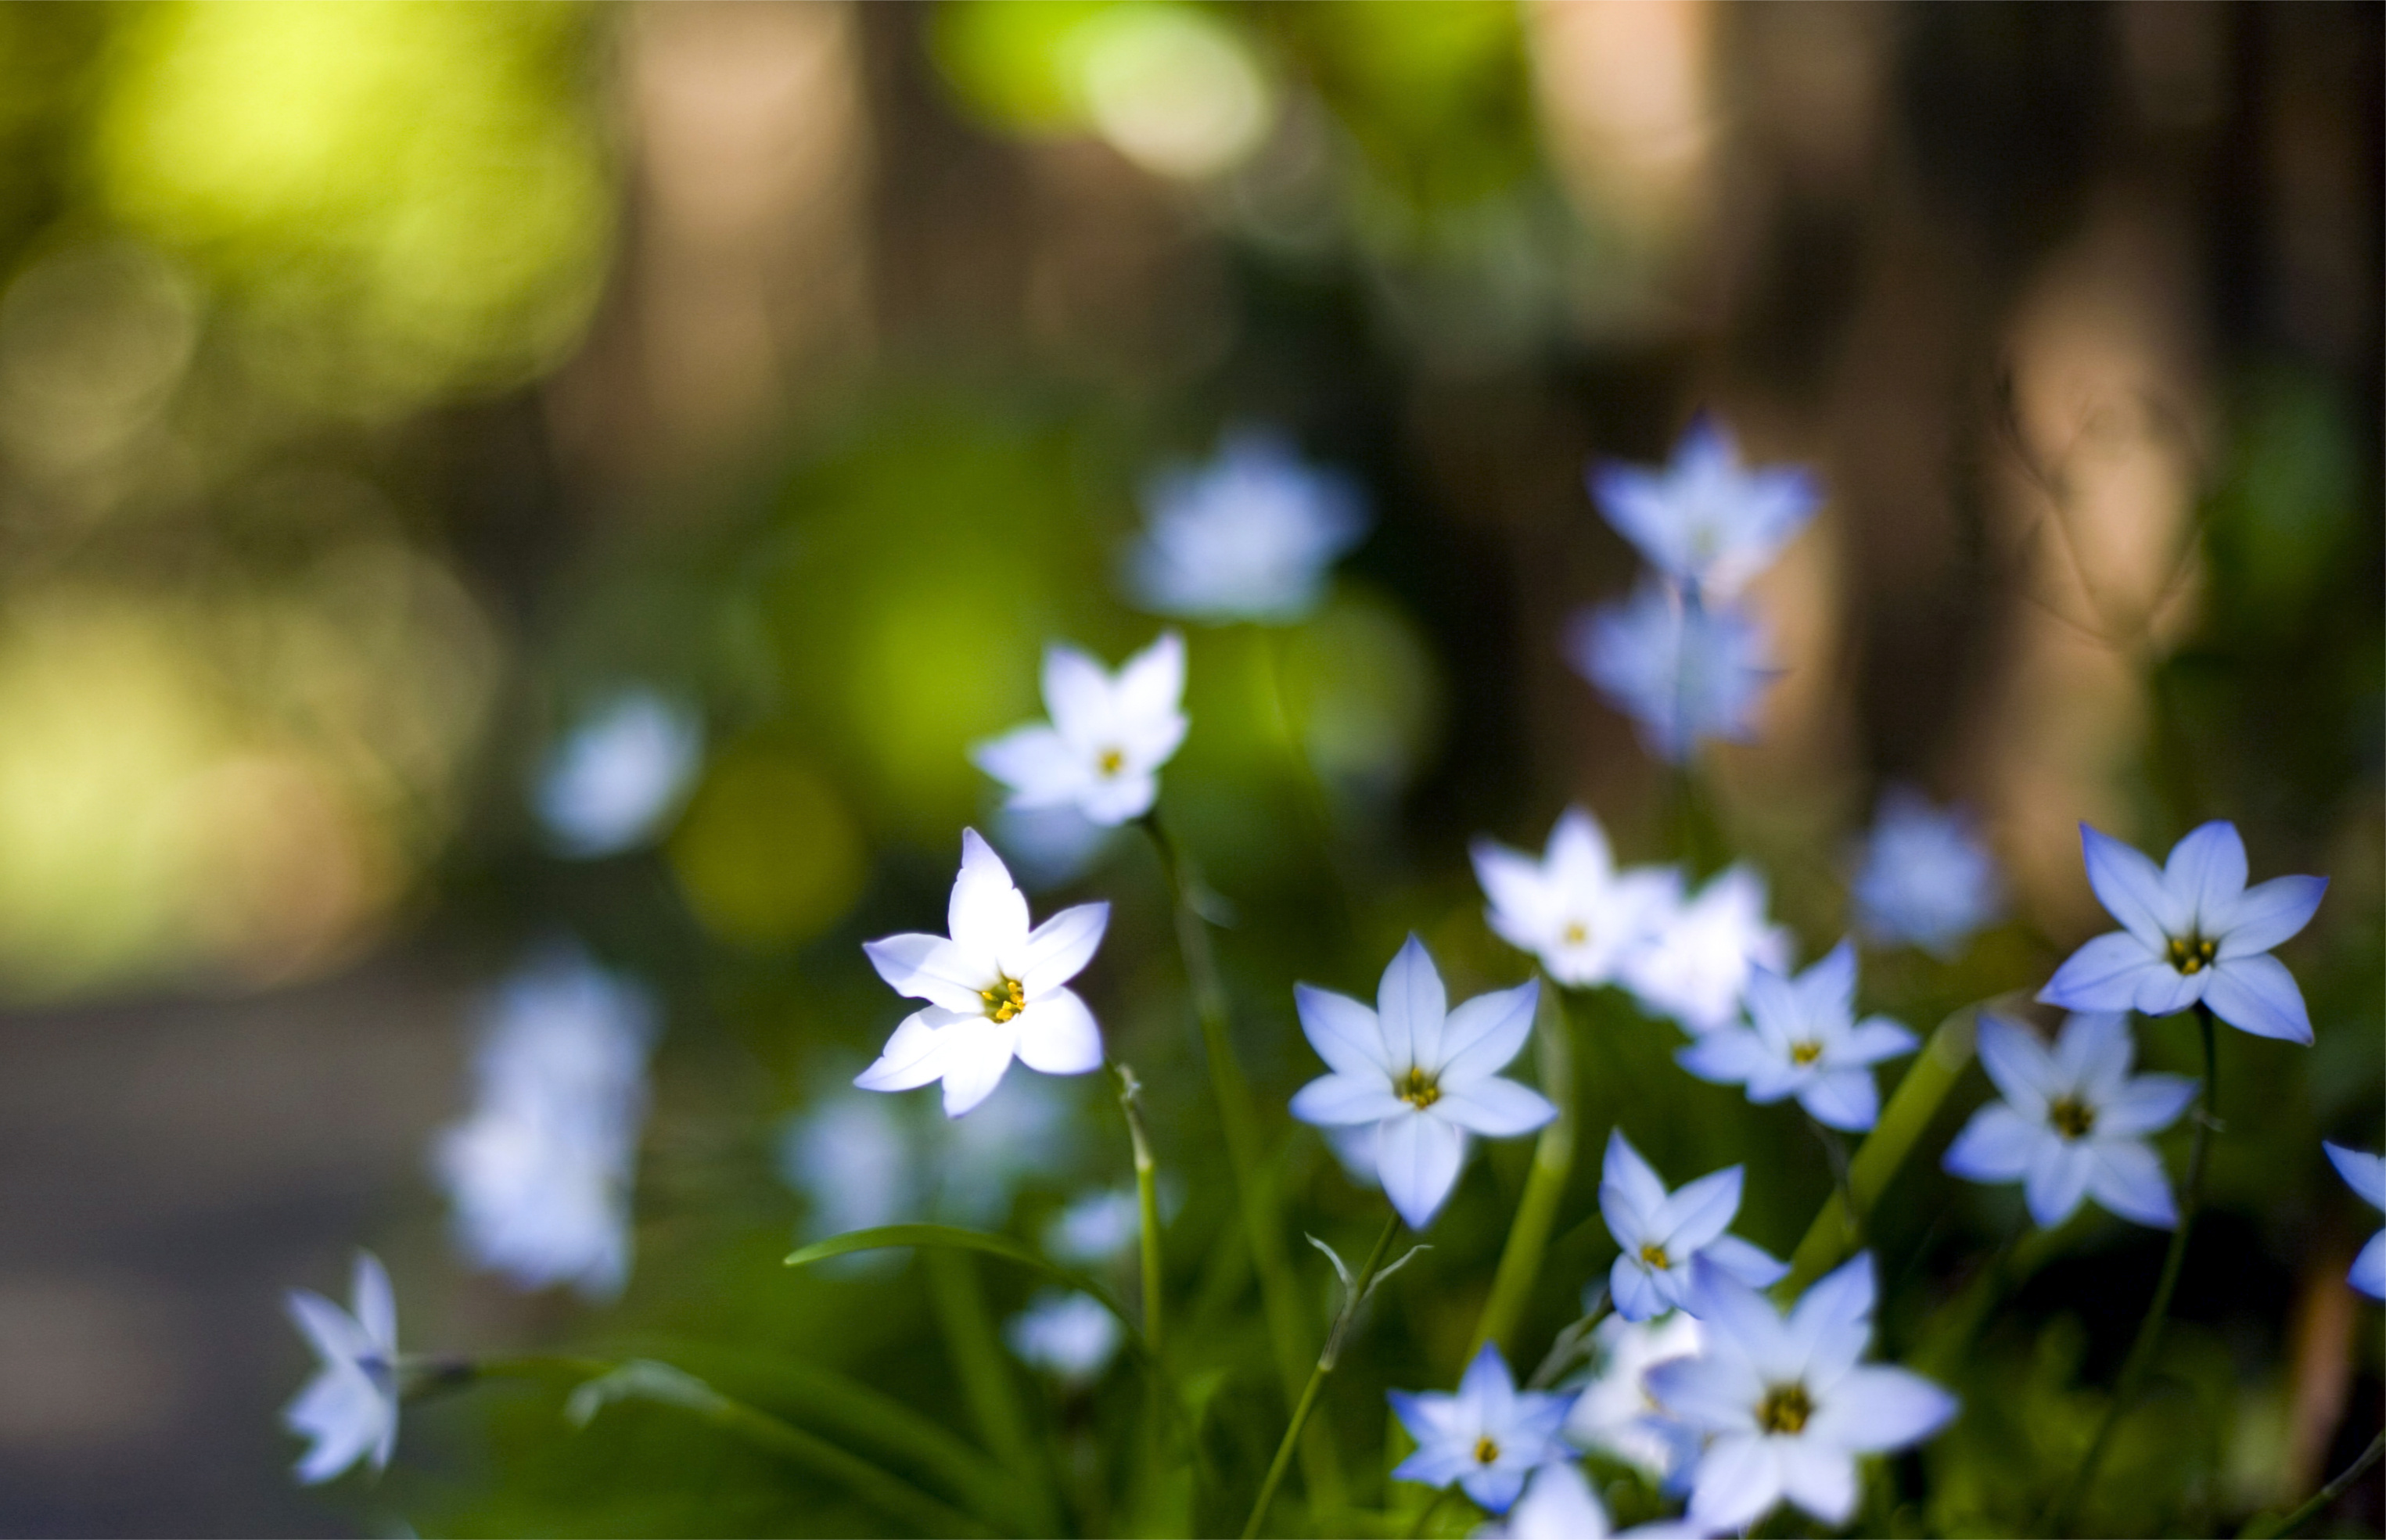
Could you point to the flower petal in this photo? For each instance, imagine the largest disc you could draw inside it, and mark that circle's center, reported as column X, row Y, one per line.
column 2055, row 1183
column 1739, row 1483
column 1751, row 1264
column 1410, row 1003
column 1876, row 1408
column 1343, row 1101
column 2146, row 1104
column 931, row 968
column 1832, row 1322
column 1634, row 1292
column 2017, row 1062
column 1523, row 909
column 1828, row 989
column 1844, row 1100
column 2268, row 913
column 1727, row 1055
column 1037, row 763
column 1996, row 1145
column 2167, row 990
column 1112, row 800
column 1483, row 1035
column 975, row 1062
column 2364, row 1172
column 1344, row 1033
column 2257, row 995
column 1418, row 1158
column 2093, row 1053
column 987, row 914
column 914, row 1056
column 1712, row 1393
column 1077, row 694
column 1577, row 856
column 1699, row 1211
column 2103, row 974
column 1151, row 684
column 2133, row 890
column 1059, row 950
column 1494, row 1108
column 334, row 1335
column 1739, row 1320
column 2368, row 1273
column 2207, row 873
column 1872, row 1040
column 1057, row 1036
column 2127, row 1178
column 1493, row 1488
column 1630, row 1189
column 376, row 1304
column 1820, row 1478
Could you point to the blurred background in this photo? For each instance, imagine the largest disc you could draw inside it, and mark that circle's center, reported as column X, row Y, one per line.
column 388, row 392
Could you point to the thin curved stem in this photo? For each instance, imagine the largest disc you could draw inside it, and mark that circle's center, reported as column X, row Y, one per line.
column 2319, row 1501
column 1529, row 1233
column 1146, row 1195
column 2150, row 1330
column 1327, row 1357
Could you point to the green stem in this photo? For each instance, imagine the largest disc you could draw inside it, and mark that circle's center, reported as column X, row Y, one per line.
column 1529, row 1233
column 2150, row 1330
column 986, row 1383
column 1147, row 1196
column 2319, row 1500
column 1327, row 1357
column 1425, row 1520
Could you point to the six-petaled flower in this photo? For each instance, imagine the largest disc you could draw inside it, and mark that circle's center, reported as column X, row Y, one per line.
column 1249, row 536
column 1109, row 735
column 1926, row 878
column 1572, row 908
column 1486, row 1438
column 1683, row 671
column 1658, row 1233
column 350, row 1408
column 1804, row 1041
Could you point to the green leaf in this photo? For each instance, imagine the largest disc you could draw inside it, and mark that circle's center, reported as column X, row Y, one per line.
column 887, row 1237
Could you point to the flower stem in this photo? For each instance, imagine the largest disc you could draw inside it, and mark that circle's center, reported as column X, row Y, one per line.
column 2150, row 1330
column 1529, row 1233
column 2319, row 1500
column 1326, row 1359
column 1147, row 1196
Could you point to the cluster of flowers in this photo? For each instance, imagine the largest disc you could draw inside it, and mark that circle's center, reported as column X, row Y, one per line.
column 1724, row 1399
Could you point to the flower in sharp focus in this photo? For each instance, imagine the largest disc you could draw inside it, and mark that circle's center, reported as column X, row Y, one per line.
column 1109, row 733
column 1659, row 1233
column 613, row 781
column 1486, row 1438
column 1425, row 1076
column 1785, row 1403
column 2365, row 1175
column 541, row 1171
column 1249, row 536
column 1703, row 519
column 1685, row 671
column 1067, row 1334
column 1926, row 878
column 1614, row 1414
column 1572, row 908
column 995, row 989
column 1695, row 969
column 1804, row 1041
column 350, row 1408
column 2074, row 1123
column 1558, row 1504
column 2191, row 930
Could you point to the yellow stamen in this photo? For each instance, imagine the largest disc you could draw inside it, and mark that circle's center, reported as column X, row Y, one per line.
column 1785, row 1409
column 1575, row 934
column 1655, row 1255
column 2192, row 954
column 1419, row 1091
column 1113, row 761
column 1486, row 1450
column 2071, row 1117
column 1806, row 1052
column 1005, row 1000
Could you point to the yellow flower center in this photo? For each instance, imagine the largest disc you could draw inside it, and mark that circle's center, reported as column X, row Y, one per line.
column 1655, row 1255
column 2192, row 954
column 2071, row 1117
column 1806, row 1052
column 1419, row 1091
column 1005, row 1000
column 1111, row 762
column 1575, row 933
column 1785, row 1409
column 1486, row 1449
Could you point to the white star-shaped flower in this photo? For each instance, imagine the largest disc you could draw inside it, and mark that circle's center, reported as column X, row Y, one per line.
column 1614, row 1414
column 1572, row 908
column 1659, row 1233
column 1804, row 1041
column 1422, row 1074
column 1109, row 735
column 1695, row 968
column 1685, row 671
column 1785, row 1403
column 2191, row 930
column 1926, row 878
column 1486, row 1438
column 350, row 1408
column 1249, row 536
column 2365, row 1175
column 1704, row 520
column 1067, row 1334
column 2074, row 1123
column 995, row 990
column 620, row 775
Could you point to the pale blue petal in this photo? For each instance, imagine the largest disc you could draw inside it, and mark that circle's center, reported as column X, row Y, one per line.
column 1751, row 1264
column 2133, row 890
column 1482, row 1035
column 1344, row 1033
column 1738, row 1482
column 2017, row 1062
column 2103, row 974
column 1876, row 1409
column 2364, row 1172
column 2207, row 873
column 1340, row 1101
column 1496, row 1108
column 2127, row 1178
column 2270, row 913
column 2257, row 995
column 2056, row 1182
column 2166, row 991
column 1495, row 1487
column 2146, row 1104
column 2368, row 1272
column 1418, row 1158
column 1635, row 1294
column 1700, row 1211
column 1727, row 1055
column 1411, row 1003
column 1639, row 1192
column 1844, row 1100
column 1997, row 1146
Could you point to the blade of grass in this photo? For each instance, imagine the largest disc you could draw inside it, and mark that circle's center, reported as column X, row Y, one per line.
column 1528, row 1234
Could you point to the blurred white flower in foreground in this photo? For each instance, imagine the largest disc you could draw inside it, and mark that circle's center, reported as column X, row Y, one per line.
column 1422, row 1074
column 995, row 989
column 540, row 1174
column 1685, row 671
column 1703, row 521
column 2074, row 1123
column 1486, row 1438
column 1804, row 1041
column 611, row 782
column 1249, row 536
column 1109, row 735
column 1659, row 1233
column 2365, row 1175
column 1069, row 1335
column 1614, row 1414
column 1926, row 877
column 1696, row 966
column 1784, row 1402
column 350, row 1408
column 1558, row 1504
column 1572, row 908
column 1098, row 1227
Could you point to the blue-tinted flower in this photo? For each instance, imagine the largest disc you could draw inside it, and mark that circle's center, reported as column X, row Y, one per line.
column 2365, row 1175
column 1572, row 908
column 1486, row 1438
column 1425, row 1076
column 1109, row 735
column 1658, row 1233
column 541, row 1171
column 1069, row 1335
column 2074, row 1123
column 350, row 1408
column 1614, row 1414
column 1804, row 1041
column 610, row 785
column 1695, row 969
column 2191, row 931
column 1926, row 878
column 854, row 1160
column 1249, row 536
column 1785, row 1403
column 1098, row 1227
column 1704, row 520
column 1558, row 1504
column 1683, row 671
column 995, row 989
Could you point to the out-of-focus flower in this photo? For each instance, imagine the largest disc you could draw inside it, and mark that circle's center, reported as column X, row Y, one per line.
column 1249, row 536
column 2365, row 1175
column 1658, row 1233
column 1025, row 1132
column 1926, row 877
column 1558, row 1504
column 1572, row 908
column 1804, row 1041
column 1100, row 1227
column 1614, row 1414
column 1109, row 735
column 1424, row 1075
column 1486, row 1438
column 1685, row 670
column 1696, row 966
column 1048, row 847
column 615, row 779
column 1784, row 1401
column 2074, row 1123
column 1067, row 1334
column 2191, row 931
column 853, row 1159
column 1703, row 521
column 995, row 989
column 541, row 1171
column 350, row 1408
